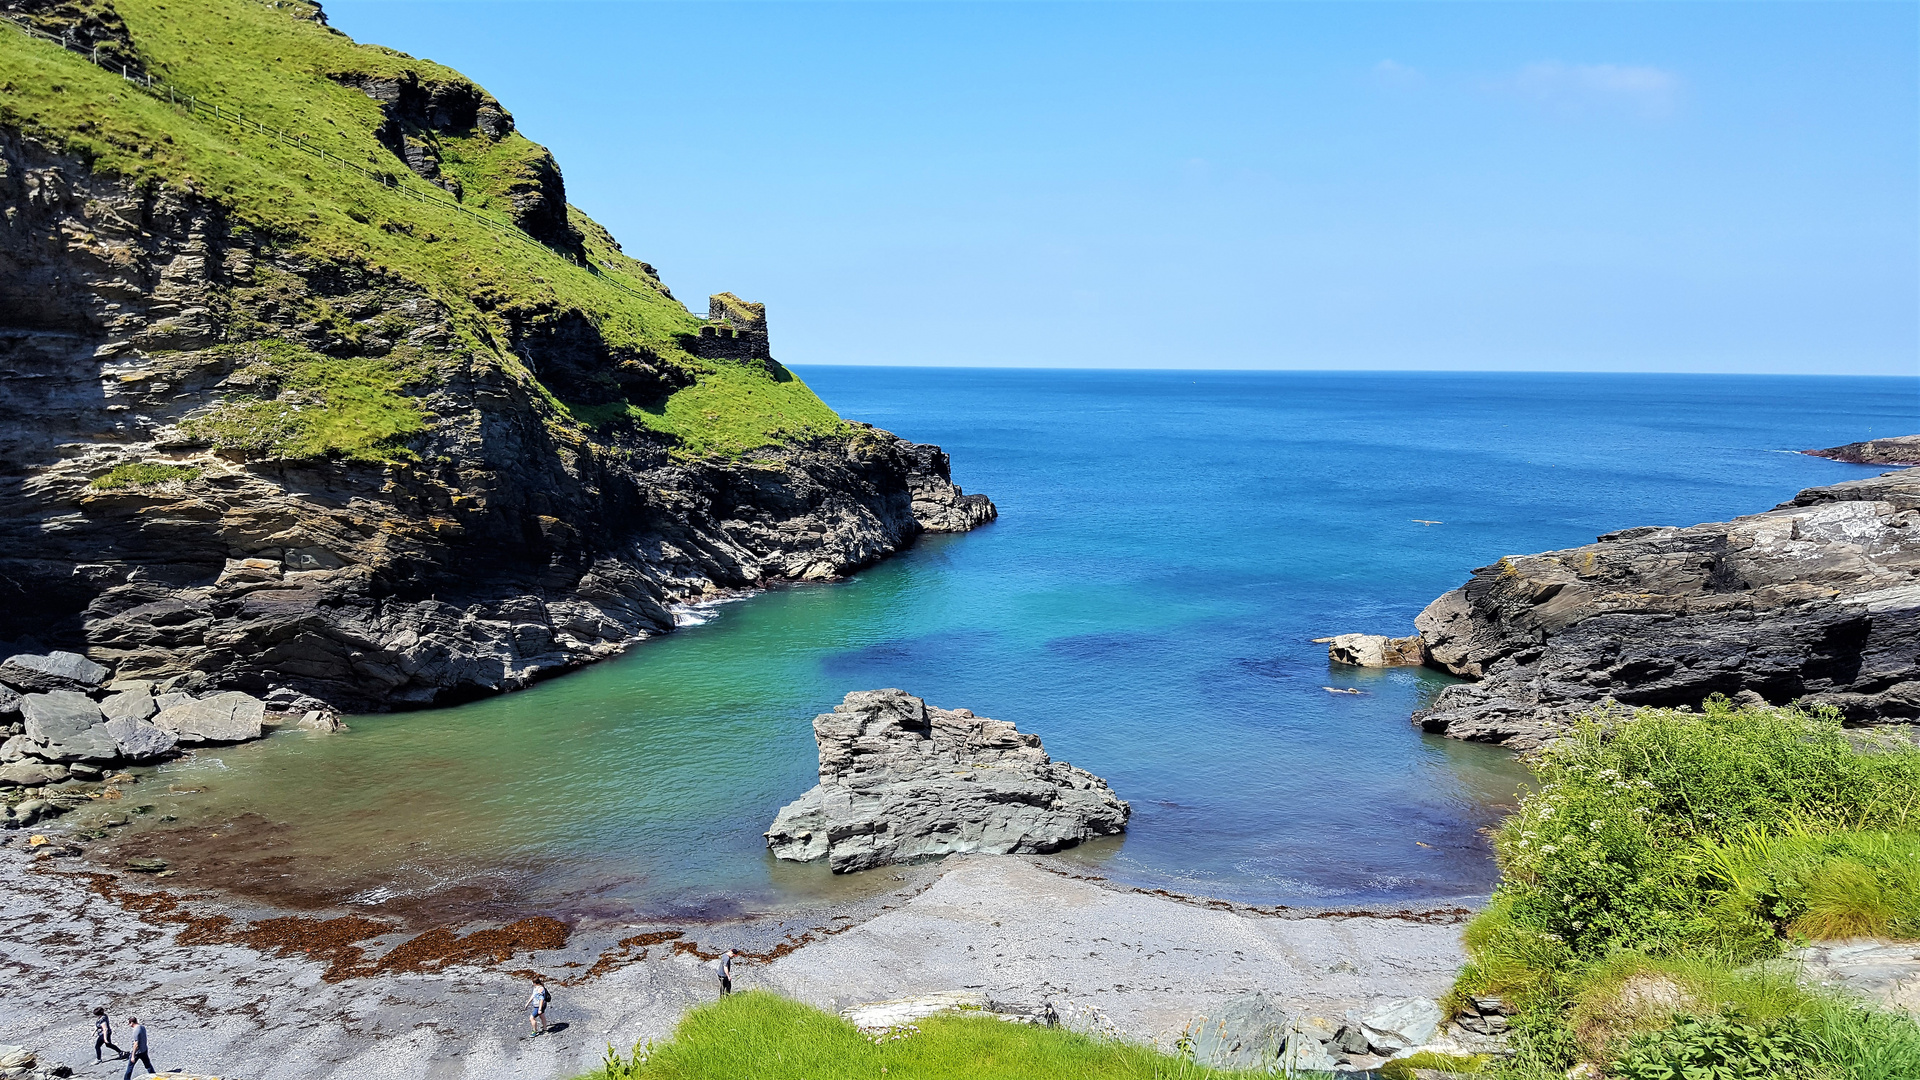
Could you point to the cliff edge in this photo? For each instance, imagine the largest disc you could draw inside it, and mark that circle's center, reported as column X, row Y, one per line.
column 312, row 380
column 1814, row 601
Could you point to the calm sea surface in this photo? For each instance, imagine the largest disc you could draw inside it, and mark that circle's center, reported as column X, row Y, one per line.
column 1168, row 546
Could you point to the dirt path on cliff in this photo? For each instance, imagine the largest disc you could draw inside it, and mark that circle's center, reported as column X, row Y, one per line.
column 1121, row 960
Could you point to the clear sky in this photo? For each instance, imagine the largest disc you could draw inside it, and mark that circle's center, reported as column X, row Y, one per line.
column 1548, row 186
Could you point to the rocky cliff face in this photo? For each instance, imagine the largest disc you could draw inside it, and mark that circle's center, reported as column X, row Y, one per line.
column 1817, row 600
column 160, row 360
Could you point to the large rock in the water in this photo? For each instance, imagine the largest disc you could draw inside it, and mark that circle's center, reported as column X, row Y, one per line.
column 221, row 718
column 64, row 725
column 1898, row 450
column 901, row 780
column 1375, row 650
column 35, row 673
column 1817, row 600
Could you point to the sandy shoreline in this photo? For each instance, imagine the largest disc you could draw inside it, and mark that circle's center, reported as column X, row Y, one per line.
column 1122, row 960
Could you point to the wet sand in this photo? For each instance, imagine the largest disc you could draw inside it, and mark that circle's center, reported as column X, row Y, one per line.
column 227, row 990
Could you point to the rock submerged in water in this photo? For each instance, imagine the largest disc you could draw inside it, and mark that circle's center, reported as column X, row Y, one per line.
column 902, row 780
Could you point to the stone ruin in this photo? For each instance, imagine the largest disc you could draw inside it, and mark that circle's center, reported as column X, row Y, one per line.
column 735, row 330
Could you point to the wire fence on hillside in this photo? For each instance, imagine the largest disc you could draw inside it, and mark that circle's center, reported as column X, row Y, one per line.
column 198, row 106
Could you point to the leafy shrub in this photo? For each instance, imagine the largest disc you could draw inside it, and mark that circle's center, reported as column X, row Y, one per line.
column 1722, row 1047
column 1615, row 849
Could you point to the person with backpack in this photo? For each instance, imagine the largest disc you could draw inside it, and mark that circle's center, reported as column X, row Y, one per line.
column 103, row 1036
column 537, row 1007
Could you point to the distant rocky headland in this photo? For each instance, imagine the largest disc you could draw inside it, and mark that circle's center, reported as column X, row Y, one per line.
column 1816, row 601
column 902, row 780
column 386, row 424
column 1898, row 450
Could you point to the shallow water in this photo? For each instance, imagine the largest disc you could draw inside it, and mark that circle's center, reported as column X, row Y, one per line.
column 1168, row 545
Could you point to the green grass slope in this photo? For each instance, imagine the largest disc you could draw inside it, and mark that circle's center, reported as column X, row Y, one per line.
column 279, row 65
column 768, row 1037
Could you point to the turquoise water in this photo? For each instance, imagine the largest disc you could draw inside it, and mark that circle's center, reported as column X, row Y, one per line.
column 1168, row 546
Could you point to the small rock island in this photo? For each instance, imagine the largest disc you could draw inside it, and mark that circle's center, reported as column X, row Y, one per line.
column 902, row 780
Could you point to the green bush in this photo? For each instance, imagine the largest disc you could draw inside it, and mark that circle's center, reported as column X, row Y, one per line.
column 1617, row 847
column 1666, row 851
column 1817, row 884
column 1718, row 1048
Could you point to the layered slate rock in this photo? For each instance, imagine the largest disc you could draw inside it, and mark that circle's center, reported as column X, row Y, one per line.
column 63, row 726
column 1814, row 601
column 902, row 780
column 220, row 718
column 53, row 671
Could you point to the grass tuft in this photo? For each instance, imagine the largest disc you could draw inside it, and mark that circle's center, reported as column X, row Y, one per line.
column 135, row 474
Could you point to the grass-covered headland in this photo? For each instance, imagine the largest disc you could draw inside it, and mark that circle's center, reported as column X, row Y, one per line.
column 1667, row 860
column 365, row 165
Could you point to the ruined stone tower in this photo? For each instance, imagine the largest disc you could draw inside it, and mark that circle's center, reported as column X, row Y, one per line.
column 735, row 330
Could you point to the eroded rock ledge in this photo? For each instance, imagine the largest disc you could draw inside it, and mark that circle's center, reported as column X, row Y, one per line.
column 1816, row 601
column 902, row 780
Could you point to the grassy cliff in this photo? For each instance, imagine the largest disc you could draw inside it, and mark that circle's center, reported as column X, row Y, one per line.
column 531, row 282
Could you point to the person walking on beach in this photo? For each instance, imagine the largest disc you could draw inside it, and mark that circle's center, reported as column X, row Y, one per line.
column 726, row 971
column 139, row 1051
column 103, row 1036
column 537, row 1007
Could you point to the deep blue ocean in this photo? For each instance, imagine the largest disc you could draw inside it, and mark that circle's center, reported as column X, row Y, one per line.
column 1169, row 544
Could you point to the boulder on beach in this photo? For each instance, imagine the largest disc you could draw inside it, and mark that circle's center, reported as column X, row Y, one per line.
column 39, row 673
column 902, row 780
column 63, row 725
column 220, row 718
column 1247, row 1034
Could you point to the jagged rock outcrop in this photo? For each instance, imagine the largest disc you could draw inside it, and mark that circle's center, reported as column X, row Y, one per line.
column 1898, row 450
column 902, row 780
column 1817, row 600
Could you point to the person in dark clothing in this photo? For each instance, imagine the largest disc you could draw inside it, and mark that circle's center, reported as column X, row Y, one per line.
column 139, row 1051
column 726, row 971
column 103, row 1036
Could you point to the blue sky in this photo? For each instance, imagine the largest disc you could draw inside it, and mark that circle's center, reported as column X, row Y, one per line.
column 1598, row 187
